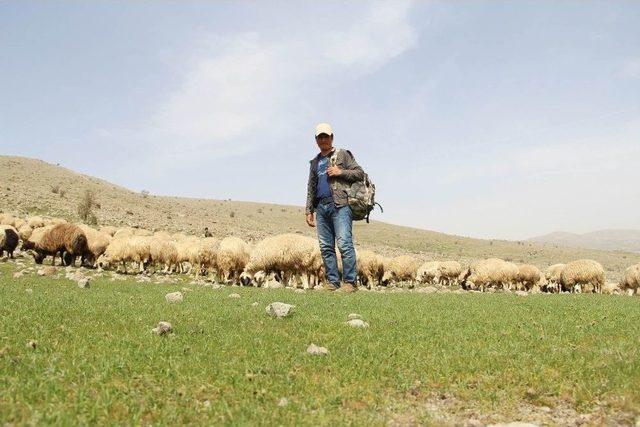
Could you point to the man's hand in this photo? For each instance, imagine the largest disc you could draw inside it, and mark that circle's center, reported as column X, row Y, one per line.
column 334, row 171
column 310, row 221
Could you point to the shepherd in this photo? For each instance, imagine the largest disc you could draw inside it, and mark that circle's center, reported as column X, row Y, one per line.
column 331, row 173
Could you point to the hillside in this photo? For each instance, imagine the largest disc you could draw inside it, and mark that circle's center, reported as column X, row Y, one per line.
column 30, row 186
column 623, row 240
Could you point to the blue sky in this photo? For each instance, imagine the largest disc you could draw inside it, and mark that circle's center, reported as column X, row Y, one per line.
column 486, row 119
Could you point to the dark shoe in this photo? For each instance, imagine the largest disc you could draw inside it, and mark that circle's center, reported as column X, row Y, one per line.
column 348, row 288
column 329, row 286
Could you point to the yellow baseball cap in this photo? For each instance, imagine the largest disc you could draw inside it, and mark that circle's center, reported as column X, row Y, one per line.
column 324, row 128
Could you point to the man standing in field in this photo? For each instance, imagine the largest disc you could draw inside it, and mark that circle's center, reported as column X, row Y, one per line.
column 331, row 173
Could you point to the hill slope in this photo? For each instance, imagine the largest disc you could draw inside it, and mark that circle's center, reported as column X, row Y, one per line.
column 27, row 186
column 624, row 240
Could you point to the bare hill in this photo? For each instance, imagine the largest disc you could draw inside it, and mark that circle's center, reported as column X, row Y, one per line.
column 623, row 240
column 30, row 186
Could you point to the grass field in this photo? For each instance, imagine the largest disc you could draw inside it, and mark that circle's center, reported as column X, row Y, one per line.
column 425, row 358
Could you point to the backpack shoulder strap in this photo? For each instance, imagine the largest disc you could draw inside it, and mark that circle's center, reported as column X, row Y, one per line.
column 334, row 156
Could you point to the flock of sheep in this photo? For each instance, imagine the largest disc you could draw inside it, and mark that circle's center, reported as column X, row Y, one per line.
column 282, row 260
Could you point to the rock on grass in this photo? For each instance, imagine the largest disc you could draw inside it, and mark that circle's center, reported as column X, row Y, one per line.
column 162, row 328
column 317, row 350
column 357, row 323
column 279, row 309
column 83, row 283
column 174, row 297
column 234, row 295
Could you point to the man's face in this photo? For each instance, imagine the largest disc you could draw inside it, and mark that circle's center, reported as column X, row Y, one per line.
column 324, row 141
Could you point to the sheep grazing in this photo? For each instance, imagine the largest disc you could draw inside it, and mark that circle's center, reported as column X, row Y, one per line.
column 552, row 277
column 183, row 248
column 491, row 272
column 121, row 250
column 287, row 256
column 611, row 289
column 402, row 268
column 582, row 275
column 631, row 280
column 449, row 271
column 108, row 229
column 232, row 257
column 202, row 254
column 370, row 268
column 25, row 232
column 35, row 222
column 164, row 253
column 97, row 242
column 8, row 240
column 528, row 276
column 68, row 240
column 428, row 272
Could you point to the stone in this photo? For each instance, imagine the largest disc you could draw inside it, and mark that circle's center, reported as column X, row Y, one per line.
column 162, row 328
column 283, row 402
column 174, row 297
column 83, row 283
column 47, row 271
column 354, row 316
column 32, row 344
column 279, row 309
column 234, row 295
column 357, row 323
column 317, row 350
column 272, row 284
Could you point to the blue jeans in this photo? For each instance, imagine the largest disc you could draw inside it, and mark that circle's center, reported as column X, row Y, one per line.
column 334, row 224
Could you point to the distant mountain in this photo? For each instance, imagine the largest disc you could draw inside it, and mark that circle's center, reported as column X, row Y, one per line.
column 623, row 240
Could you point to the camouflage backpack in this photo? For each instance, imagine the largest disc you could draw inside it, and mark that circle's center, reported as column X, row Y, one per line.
column 361, row 195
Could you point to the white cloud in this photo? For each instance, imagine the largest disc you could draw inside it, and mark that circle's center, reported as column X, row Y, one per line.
column 244, row 91
column 384, row 33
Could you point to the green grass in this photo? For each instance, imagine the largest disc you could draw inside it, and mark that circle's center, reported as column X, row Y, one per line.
column 96, row 361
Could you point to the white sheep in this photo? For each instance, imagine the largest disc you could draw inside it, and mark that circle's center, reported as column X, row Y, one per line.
column 287, row 255
column 528, row 276
column 491, row 272
column 232, row 257
column 163, row 253
column 552, row 277
column 402, row 268
column 370, row 268
column 448, row 272
column 127, row 249
column 97, row 241
column 579, row 275
column 428, row 272
column 630, row 281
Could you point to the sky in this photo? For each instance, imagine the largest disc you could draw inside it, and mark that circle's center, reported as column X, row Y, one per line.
column 488, row 119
